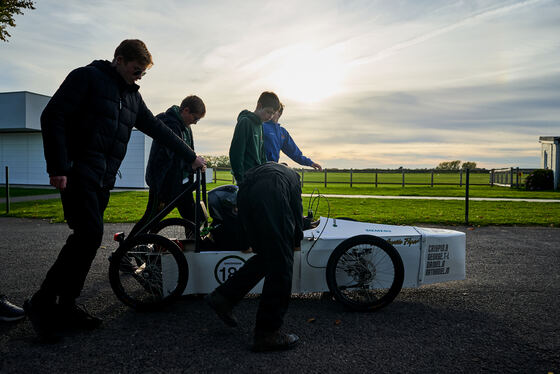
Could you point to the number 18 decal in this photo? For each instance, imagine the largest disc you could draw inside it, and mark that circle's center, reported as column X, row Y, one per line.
column 226, row 267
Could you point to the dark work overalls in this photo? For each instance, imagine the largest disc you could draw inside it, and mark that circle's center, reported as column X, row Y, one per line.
column 270, row 210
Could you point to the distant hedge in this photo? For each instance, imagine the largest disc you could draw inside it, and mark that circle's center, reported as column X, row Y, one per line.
column 540, row 179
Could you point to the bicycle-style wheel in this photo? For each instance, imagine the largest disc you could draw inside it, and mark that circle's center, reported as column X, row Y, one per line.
column 148, row 271
column 365, row 273
column 178, row 230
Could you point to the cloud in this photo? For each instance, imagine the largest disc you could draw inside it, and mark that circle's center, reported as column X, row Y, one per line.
column 406, row 83
column 469, row 20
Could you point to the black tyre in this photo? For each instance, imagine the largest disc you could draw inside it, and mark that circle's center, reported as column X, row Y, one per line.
column 178, row 230
column 148, row 271
column 365, row 273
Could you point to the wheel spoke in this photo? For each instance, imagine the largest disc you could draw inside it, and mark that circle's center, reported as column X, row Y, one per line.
column 138, row 275
column 365, row 272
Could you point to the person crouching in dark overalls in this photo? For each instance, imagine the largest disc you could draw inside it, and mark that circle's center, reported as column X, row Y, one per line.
column 270, row 210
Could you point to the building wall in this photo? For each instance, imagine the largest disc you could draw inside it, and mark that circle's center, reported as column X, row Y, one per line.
column 21, row 111
column 21, row 144
column 550, row 158
column 22, row 152
column 133, row 167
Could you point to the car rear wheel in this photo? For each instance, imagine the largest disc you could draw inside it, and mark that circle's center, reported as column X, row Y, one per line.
column 178, row 230
column 148, row 272
column 365, row 273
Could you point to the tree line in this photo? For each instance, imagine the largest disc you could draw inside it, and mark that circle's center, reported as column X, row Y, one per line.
column 456, row 165
column 222, row 161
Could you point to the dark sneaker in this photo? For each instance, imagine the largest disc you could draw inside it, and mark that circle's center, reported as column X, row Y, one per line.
column 273, row 341
column 222, row 307
column 42, row 317
column 10, row 312
column 77, row 317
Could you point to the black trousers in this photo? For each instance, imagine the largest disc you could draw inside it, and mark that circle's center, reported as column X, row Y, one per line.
column 83, row 206
column 185, row 206
column 265, row 213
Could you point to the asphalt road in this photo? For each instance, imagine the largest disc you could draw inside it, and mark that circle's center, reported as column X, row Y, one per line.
column 503, row 318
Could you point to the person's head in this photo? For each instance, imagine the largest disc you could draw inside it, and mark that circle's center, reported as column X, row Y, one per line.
column 132, row 59
column 267, row 105
column 278, row 114
column 192, row 109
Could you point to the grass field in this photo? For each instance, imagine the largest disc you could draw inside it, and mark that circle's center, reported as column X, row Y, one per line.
column 18, row 191
column 130, row 206
column 452, row 190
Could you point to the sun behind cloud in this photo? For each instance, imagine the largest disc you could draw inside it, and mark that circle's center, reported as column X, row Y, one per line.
column 306, row 74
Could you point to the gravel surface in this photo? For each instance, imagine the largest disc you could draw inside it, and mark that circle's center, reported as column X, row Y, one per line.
column 502, row 318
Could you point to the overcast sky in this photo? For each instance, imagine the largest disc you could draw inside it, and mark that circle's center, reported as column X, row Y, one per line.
column 370, row 83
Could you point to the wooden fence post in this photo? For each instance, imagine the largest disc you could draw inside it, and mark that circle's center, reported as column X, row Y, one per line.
column 7, row 190
column 432, row 184
column 375, row 179
column 511, row 178
column 461, row 178
column 403, row 178
column 350, row 178
column 467, row 199
column 325, row 178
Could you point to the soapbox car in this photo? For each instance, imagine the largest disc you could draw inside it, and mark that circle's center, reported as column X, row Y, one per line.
column 363, row 265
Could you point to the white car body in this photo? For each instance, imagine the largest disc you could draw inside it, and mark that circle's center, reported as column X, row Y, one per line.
column 429, row 256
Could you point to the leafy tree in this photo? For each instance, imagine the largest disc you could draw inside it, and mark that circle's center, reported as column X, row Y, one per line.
column 7, row 10
column 449, row 165
column 468, row 165
column 221, row 161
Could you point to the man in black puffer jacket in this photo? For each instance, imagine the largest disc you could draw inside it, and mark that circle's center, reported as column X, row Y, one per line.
column 86, row 128
column 166, row 170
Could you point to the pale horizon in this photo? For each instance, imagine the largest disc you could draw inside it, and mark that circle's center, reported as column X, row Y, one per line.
column 366, row 84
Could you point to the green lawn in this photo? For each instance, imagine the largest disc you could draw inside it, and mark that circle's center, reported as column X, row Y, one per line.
column 446, row 212
column 19, row 191
column 453, row 190
column 130, row 206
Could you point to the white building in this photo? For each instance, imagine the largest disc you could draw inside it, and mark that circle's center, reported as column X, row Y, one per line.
column 550, row 158
column 21, row 144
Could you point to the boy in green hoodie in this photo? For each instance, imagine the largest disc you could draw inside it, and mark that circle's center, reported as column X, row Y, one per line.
column 247, row 149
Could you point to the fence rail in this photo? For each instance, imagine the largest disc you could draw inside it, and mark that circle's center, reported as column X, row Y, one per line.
column 402, row 177
column 402, row 174
column 509, row 177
